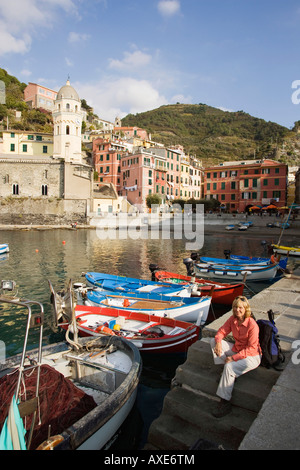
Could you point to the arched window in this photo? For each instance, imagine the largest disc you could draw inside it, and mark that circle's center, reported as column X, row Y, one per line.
column 68, row 130
column 68, row 106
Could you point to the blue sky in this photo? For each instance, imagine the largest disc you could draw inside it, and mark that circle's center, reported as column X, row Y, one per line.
column 129, row 56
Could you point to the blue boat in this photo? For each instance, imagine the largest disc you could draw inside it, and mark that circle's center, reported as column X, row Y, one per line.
column 254, row 272
column 4, row 248
column 190, row 309
column 246, row 259
column 111, row 282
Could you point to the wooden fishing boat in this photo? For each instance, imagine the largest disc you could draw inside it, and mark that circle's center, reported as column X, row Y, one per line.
column 149, row 333
column 253, row 273
column 78, row 393
column 286, row 250
column 221, row 293
column 4, row 248
column 110, row 282
column 180, row 308
column 257, row 260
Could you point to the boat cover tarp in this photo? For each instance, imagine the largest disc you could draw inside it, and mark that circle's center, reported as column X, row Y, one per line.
column 61, row 403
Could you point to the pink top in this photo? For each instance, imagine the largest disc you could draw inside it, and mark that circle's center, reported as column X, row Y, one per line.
column 246, row 337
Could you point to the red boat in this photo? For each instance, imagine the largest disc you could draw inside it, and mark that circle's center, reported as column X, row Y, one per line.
column 148, row 332
column 221, row 293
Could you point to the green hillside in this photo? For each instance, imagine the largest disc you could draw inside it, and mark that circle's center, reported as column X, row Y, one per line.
column 215, row 136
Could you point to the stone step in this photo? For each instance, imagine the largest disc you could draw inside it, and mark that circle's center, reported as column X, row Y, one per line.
column 200, row 373
column 187, row 417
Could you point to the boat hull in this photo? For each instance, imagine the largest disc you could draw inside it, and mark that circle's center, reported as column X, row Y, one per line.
column 222, row 293
column 178, row 337
column 96, row 428
column 252, row 273
column 186, row 309
column 286, row 250
column 127, row 284
column 4, row 248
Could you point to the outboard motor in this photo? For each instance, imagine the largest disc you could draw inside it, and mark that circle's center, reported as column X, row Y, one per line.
column 195, row 256
column 153, row 268
column 189, row 264
column 227, row 253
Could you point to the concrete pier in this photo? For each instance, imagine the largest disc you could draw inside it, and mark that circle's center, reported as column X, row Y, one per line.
column 266, row 402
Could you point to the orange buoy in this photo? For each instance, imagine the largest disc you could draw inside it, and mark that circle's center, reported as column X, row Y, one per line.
column 126, row 303
column 105, row 330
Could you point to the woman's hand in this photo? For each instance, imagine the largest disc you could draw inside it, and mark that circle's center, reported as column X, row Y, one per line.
column 218, row 349
column 228, row 359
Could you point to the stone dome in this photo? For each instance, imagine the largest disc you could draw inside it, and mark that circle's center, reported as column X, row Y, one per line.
column 67, row 92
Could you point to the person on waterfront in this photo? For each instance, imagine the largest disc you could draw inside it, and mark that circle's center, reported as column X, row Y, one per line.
column 239, row 357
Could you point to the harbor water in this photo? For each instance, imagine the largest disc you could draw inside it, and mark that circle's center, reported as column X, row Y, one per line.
column 37, row 256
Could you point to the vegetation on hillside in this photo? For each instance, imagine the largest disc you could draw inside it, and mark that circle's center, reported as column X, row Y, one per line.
column 214, row 135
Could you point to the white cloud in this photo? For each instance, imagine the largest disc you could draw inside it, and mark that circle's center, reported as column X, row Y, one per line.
column 131, row 60
column 22, row 19
column 26, row 72
column 69, row 63
column 78, row 37
column 168, row 7
column 118, row 97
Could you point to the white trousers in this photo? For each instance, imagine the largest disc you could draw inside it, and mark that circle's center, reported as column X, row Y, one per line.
column 232, row 369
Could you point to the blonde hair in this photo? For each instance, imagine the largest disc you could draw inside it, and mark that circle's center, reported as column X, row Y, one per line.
column 245, row 303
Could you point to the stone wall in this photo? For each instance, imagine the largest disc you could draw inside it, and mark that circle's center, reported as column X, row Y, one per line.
column 52, row 211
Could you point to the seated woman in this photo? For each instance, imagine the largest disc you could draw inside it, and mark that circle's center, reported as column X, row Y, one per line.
column 239, row 357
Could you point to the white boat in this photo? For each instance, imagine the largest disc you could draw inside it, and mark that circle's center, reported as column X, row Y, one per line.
column 79, row 392
column 237, row 273
column 188, row 309
column 4, row 248
column 230, row 227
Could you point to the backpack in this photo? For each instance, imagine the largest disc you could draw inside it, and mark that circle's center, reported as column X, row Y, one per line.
column 272, row 356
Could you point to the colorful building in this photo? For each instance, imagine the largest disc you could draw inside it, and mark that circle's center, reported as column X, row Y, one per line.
column 38, row 96
column 240, row 185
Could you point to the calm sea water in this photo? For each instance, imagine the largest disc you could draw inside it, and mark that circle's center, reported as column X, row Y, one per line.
column 61, row 255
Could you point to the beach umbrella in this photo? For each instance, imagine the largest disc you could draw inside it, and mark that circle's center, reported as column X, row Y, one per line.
column 271, row 206
column 255, row 208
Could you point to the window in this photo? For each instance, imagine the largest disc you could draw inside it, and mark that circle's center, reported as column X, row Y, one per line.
column 24, row 147
column 265, row 182
column 276, row 194
column 67, row 130
column 233, row 185
column 214, row 186
column 222, row 185
column 232, row 197
column 12, row 135
column 254, row 182
column 208, row 176
column 276, row 181
column 277, row 170
column 30, row 137
column 39, row 138
column 12, row 147
column 208, row 187
column 246, row 183
column 44, row 190
column 45, row 149
column 15, row 189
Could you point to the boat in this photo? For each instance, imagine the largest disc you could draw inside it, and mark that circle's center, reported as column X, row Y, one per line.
column 230, row 227
column 236, row 260
column 4, row 248
column 179, row 308
column 286, row 250
column 221, row 293
column 258, row 260
column 253, row 273
column 243, row 227
column 149, row 333
column 110, row 282
column 78, row 392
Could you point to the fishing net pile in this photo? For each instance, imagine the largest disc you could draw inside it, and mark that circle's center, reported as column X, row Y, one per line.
column 61, row 403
